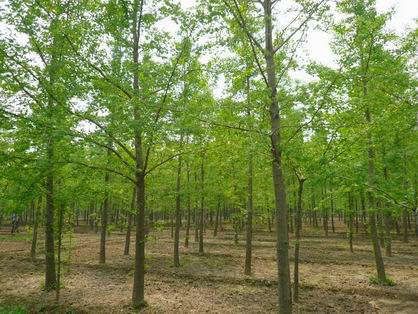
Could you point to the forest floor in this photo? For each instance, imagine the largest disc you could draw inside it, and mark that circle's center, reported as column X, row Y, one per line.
column 333, row 280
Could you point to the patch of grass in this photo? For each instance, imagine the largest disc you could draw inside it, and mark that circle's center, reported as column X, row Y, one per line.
column 13, row 310
column 388, row 282
column 140, row 305
column 52, row 287
column 16, row 237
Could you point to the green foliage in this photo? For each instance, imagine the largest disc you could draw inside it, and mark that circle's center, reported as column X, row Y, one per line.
column 70, row 112
column 13, row 310
column 388, row 282
column 16, row 237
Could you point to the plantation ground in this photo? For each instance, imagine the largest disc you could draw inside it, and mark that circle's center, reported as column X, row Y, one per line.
column 333, row 280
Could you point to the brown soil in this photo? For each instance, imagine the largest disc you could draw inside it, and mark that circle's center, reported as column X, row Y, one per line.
column 333, row 280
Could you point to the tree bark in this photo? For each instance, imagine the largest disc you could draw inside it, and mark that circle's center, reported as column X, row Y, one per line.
column 129, row 227
column 105, row 214
column 138, row 298
column 189, row 204
column 178, row 213
column 285, row 302
column 380, row 267
column 298, row 227
column 249, row 223
column 405, row 225
column 350, row 222
column 202, row 203
column 36, row 215
column 60, row 226
column 388, row 228
column 215, row 229
column 50, row 274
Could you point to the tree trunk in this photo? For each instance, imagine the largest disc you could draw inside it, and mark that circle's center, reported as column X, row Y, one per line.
column 35, row 228
column 178, row 213
column 60, row 225
column 96, row 217
column 298, row 227
column 202, row 212
column 90, row 217
column 380, row 267
column 249, row 224
column 380, row 226
column 50, row 274
column 172, row 225
column 405, row 225
column 284, row 295
column 218, row 209
column 388, row 228
column 350, row 222
column 129, row 227
column 189, row 205
column 363, row 209
column 138, row 299
column 196, row 224
column 105, row 214
column 357, row 218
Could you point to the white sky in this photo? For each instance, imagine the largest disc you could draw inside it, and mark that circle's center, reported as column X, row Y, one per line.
column 317, row 46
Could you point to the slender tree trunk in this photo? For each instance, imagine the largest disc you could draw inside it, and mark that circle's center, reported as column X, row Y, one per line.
column 50, row 274
column 416, row 222
column 221, row 216
column 249, row 224
column 380, row 226
column 77, row 216
column 202, row 203
column 356, row 211
column 138, row 295
column 90, row 217
column 332, row 213
column 196, row 225
column 236, row 231
column 380, row 267
column 388, row 228
column 363, row 209
column 96, row 217
column 398, row 229
column 139, row 274
column 284, row 289
column 405, row 215
column 189, row 205
column 405, row 225
column 35, row 228
column 172, row 225
column 350, row 222
column 60, row 225
column 298, row 227
column 415, row 210
column 387, row 214
column 129, row 227
column 215, row 229
column 178, row 213
column 105, row 214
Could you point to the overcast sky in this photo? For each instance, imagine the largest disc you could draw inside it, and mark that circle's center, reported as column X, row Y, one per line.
column 317, row 46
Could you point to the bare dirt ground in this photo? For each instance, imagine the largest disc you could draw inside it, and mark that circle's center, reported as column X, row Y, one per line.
column 333, row 280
